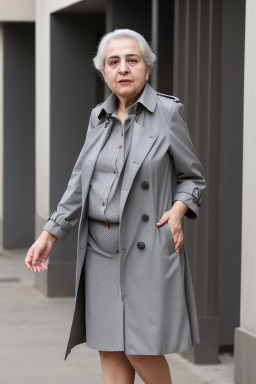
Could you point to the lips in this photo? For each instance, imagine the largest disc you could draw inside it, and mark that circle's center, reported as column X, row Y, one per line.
column 125, row 81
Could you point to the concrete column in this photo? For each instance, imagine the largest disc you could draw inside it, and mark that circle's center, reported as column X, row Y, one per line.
column 67, row 89
column 18, row 162
column 18, row 195
column 1, row 133
column 245, row 335
column 196, row 81
column 165, row 46
column 231, row 160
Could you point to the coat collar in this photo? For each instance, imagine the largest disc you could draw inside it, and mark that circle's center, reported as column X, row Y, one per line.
column 147, row 98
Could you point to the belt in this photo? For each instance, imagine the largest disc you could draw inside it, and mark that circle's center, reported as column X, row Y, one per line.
column 106, row 224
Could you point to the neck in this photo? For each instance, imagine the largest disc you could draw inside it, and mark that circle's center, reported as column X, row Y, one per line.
column 124, row 103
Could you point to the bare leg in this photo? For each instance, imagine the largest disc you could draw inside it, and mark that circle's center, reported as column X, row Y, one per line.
column 152, row 369
column 116, row 368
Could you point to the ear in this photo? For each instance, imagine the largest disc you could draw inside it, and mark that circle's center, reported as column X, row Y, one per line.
column 148, row 71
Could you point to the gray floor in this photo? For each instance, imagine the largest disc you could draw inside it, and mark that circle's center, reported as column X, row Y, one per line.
column 34, row 332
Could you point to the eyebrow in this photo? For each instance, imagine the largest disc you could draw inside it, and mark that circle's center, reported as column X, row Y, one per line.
column 128, row 55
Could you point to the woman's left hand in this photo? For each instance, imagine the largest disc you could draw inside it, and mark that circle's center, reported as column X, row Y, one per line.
column 174, row 218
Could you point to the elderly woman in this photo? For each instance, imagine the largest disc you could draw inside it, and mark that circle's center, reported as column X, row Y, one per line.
column 135, row 179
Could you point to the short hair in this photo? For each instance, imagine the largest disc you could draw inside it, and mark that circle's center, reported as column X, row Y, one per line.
column 147, row 53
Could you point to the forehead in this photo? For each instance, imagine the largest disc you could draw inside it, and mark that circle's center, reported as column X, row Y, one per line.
column 122, row 46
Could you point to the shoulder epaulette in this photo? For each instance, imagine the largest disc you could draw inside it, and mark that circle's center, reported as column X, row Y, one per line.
column 174, row 98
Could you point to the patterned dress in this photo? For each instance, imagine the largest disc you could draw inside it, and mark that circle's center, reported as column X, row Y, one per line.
column 103, row 303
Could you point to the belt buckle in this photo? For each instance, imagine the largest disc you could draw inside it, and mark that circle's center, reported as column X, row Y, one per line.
column 106, row 224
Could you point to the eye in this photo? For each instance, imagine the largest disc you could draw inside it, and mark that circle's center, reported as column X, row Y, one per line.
column 113, row 62
column 133, row 61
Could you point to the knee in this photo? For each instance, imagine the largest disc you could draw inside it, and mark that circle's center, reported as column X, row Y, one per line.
column 136, row 359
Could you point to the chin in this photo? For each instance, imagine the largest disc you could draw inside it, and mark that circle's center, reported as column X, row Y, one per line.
column 126, row 91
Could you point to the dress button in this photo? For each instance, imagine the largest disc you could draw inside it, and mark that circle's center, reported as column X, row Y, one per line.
column 145, row 184
column 145, row 217
column 103, row 203
column 141, row 245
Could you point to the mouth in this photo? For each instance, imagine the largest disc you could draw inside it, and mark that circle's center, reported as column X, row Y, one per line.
column 125, row 81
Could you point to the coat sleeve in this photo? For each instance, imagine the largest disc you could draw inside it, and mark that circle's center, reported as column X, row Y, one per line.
column 189, row 170
column 68, row 211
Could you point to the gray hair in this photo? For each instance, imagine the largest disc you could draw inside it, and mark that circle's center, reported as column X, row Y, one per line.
column 148, row 55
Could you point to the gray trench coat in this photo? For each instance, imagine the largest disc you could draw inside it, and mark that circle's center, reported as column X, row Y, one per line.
column 162, row 166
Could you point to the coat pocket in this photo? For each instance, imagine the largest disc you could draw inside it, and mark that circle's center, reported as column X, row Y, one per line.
column 166, row 233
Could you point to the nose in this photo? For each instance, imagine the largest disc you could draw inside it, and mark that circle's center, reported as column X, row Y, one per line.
column 123, row 68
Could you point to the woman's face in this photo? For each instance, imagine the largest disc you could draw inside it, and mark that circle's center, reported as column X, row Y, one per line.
column 125, row 70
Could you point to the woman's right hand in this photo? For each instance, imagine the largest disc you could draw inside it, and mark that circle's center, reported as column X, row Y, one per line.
column 39, row 252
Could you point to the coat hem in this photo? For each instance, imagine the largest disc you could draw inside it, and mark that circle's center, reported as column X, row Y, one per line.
column 166, row 351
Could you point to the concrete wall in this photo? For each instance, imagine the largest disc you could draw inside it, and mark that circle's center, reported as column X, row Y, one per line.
column 245, row 340
column 59, row 5
column 17, row 10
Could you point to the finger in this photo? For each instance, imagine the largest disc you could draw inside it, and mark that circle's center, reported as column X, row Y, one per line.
column 29, row 258
column 163, row 219
column 27, row 263
column 178, row 246
column 178, row 235
column 36, row 256
column 44, row 254
column 177, row 249
column 43, row 266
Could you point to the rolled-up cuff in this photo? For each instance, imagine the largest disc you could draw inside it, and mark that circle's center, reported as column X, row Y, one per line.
column 187, row 199
column 55, row 229
column 56, row 217
column 57, row 226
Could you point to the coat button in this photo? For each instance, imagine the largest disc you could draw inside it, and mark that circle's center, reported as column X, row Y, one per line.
column 145, row 217
column 141, row 245
column 145, row 184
